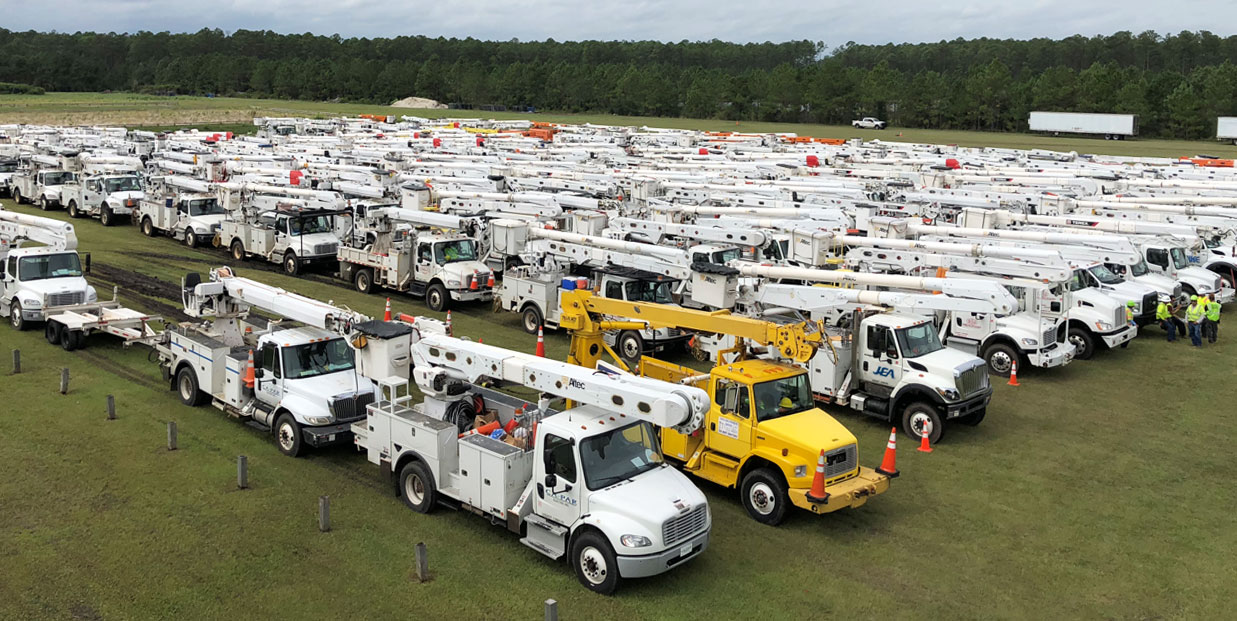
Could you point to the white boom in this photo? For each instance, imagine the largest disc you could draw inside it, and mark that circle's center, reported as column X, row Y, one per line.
column 16, row 228
column 657, row 231
column 808, row 298
column 227, row 294
column 438, row 358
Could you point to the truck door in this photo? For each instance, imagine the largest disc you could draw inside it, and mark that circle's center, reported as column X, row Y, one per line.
column 558, row 484
column 269, row 387
column 730, row 419
column 182, row 216
column 879, row 366
column 1157, row 259
column 425, row 262
column 8, row 278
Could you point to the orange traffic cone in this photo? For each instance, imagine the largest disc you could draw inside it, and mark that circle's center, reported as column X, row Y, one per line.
column 1013, row 374
column 818, row 494
column 450, row 330
column 249, row 372
column 386, row 315
column 540, row 342
column 889, row 465
column 924, row 445
column 490, row 283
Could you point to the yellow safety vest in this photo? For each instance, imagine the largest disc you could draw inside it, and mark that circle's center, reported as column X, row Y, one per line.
column 1213, row 311
column 1194, row 313
column 1162, row 313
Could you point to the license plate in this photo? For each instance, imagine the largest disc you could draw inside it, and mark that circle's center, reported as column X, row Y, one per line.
column 685, row 550
column 330, row 438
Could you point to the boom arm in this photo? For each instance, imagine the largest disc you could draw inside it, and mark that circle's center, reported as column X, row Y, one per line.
column 16, row 228
column 227, row 294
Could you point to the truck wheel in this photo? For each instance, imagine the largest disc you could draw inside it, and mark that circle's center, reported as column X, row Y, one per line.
column 148, row 227
column 1084, row 343
column 1000, row 358
column 291, row 266
column 15, row 319
column 630, row 346
column 190, row 240
column 416, row 487
column 45, row 204
column 595, row 564
column 919, row 416
column 238, row 250
column 51, row 332
column 70, row 339
column 288, row 435
column 364, row 280
column 17, row 197
column 106, row 217
column 187, row 387
column 974, row 418
column 763, row 493
column 72, row 208
column 436, row 298
column 531, row 319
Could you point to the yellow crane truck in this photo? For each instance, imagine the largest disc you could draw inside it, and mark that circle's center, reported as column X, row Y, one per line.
column 763, row 433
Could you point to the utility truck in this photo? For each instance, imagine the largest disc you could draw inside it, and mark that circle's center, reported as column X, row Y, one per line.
column 416, row 252
column 182, row 208
column 310, row 382
column 39, row 280
column 106, row 196
column 588, row 484
column 41, row 182
column 292, row 235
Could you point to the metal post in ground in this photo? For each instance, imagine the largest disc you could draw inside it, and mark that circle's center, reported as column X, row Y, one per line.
column 171, row 435
column 423, row 563
column 324, row 513
column 551, row 610
column 242, row 471
column 111, row 407
column 64, row 381
column 16, row 361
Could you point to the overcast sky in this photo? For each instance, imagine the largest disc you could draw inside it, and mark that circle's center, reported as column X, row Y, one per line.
column 667, row 20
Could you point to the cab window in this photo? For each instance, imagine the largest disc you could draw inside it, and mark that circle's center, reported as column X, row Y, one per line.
column 732, row 398
column 424, row 254
column 281, row 225
column 1157, row 256
column 880, row 343
column 560, row 458
column 270, row 361
column 614, row 290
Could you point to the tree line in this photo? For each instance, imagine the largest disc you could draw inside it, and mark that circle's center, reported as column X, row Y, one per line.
column 1177, row 84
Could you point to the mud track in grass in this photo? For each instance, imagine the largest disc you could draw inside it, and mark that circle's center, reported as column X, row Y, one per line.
column 150, row 291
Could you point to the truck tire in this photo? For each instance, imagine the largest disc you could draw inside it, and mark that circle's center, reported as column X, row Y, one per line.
column 187, row 387
column 291, row 265
column 594, row 562
column 71, row 339
column 15, row 319
column 238, row 250
column 17, row 197
column 106, row 217
column 148, row 227
column 763, row 494
column 436, row 298
column 1084, row 342
column 190, row 239
column 1000, row 358
column 51, row 332
column 416, row 487
column 920, row 414
column 630, row 346
column 364, row 280
column 531, row 319
column 45, row 204
column 288, row 435
column 72, row 209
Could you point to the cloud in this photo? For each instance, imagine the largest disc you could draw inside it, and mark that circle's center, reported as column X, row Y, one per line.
column 830, row 21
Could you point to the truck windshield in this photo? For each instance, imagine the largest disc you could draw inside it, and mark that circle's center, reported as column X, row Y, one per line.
column 619, row 455
column 1179, row 259
column 309, row 225
column 48, row 266
column 8, row 167
column 121, row 184
column 205, row 207
column 648, row 291
column 780, row 397
column 1140, row 268
column 314, row 359
column 722, row 257
column 57, row 178
column 916, row 341
column 458, row 250
column 1105, row 275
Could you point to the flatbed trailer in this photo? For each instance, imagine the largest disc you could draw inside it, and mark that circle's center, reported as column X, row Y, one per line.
column 68, row 326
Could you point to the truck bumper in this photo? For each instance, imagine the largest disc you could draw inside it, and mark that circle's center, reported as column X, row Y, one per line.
column 1226, row 295
column 469, row 295
column 969, row 406
column 654, row 564
column 328, row 434
column 1049, row 357
column 1119, row 337
column 851, row 493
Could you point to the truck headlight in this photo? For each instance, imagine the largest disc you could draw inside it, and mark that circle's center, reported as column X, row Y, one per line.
column 318, row 420
column 92, row 295
column 635, row 541
column 453, row 283
column 948, row 393
column 1029, row 342
column 1102, row 327
column 800, row 471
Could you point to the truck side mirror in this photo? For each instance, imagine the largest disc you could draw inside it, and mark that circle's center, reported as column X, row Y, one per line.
column 730, row 400
column 258, row 373
column 87, row 268
column 551, row 480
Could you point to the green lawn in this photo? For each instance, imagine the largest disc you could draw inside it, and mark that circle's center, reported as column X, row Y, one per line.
column 1095, row 491
column 233, row 114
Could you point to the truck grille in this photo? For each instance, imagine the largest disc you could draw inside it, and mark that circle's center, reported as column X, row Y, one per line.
column 973, row 380
column 325, row 248
column 1050, row 335
column 840, row 461
column 66, row 299
column 348, row 407
column 681, row 527
column 1150, row 301
column 1118, row 316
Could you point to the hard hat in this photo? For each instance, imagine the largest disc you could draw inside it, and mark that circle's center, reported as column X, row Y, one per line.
column 785, row 403
column 1194, row 298
column 1131, row 304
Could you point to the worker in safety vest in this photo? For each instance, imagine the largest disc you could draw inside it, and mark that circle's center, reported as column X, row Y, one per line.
column 1194, row 319
column 1211, row 319
column 1164, row 315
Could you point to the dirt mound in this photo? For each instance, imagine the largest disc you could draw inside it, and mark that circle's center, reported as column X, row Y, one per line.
column 418, row 102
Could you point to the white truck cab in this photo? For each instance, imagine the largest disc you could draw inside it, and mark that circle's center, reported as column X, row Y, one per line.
column 41, row 186
column 34, row 281
column 295, row 237
column 1035, row 335
column 104, row 196
column 1173, row 261
column 193, row 218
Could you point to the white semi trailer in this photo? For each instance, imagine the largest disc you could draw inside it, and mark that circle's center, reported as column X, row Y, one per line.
column 1110, row 126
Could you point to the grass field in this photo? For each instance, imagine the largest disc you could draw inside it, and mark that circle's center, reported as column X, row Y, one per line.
column 1099, row 490
column 236, row 114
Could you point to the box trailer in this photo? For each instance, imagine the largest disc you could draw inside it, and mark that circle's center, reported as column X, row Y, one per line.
column 1226, row 128
column 1111, row 126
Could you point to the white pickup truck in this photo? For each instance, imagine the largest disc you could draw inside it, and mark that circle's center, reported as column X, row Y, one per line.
column 868, row 122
